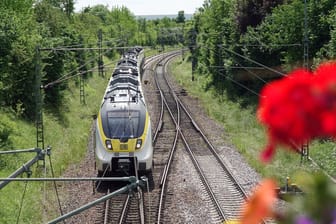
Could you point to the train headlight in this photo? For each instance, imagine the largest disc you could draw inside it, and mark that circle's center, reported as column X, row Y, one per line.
column 108, row 144
column 138, row 144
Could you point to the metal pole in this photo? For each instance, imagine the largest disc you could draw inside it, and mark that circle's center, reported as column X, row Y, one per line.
column 68, row 179
column 21, row 170
column 20, row 151
column 38, row 102
column 134, row 184
column 81, row 89
column 305, row 146
column 305, row 39
column 100, row 59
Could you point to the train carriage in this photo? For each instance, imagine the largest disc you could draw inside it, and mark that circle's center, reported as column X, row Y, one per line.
column 123, row 132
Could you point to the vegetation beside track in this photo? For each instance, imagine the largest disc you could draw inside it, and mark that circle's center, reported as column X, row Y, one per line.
column 66, row 131
column 66, row 134
column 246, row 133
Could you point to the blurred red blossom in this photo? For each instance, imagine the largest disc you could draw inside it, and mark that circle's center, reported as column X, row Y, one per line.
column 260, row 204
column 299, row 108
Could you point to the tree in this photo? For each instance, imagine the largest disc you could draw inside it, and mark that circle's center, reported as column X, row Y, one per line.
column 18, row 38
column 17, row 5
column 67, row 6
column 252, row 12
column 180, row 17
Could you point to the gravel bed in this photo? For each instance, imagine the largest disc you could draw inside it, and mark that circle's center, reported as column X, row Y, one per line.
column 76, row 194
column 188, row 201
column 189, row 206
column 245, row 175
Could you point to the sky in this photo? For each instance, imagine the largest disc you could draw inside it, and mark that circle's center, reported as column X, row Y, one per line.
column 146, row 7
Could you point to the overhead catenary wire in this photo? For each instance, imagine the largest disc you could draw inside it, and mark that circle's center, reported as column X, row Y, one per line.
column 44, row 194
column 69, row 47
column 63, row 78
column 87, row 48
column 269, row 45
column 248, row 69
column 67, row 77
column 241, row 85
column 251, row 60
column 244, row 57
column 68, row 74
column 55, row 186
column 22, row 198
column 261, row 43
column 238, row 83
column 252, row 73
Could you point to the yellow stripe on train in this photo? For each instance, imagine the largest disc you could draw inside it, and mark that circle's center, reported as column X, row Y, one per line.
column 117, row 145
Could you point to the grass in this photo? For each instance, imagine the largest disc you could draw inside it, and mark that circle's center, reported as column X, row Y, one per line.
column 22, row 136
column 68, row 137
column 245, row 132
column 67, row 134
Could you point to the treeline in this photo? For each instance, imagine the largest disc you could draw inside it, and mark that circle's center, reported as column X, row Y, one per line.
column 33, row 34
column 28, row 28
column 228, row 33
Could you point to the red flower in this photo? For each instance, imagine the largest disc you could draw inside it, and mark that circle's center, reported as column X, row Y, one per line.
column 298, row 108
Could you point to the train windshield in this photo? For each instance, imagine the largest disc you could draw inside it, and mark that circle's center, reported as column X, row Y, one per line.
column 124, row 124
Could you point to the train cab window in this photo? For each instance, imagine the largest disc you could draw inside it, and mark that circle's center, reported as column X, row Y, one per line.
column 124, row 124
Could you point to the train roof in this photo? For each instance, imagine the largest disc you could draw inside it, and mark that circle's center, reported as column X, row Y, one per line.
column 125, row 70
column 124, row 86
column 127, row 61
column 122, row 99
column 138, row 49
column 122, row 78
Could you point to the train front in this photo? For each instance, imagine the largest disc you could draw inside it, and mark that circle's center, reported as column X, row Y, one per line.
column 123, row 138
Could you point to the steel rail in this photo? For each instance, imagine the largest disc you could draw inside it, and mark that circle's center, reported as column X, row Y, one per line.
column 124, row 209
column 128, row 187
column 141, row 206
column 213, row 150
column 172, row 150
column 107, row 205
column 196, row 164
column 160, row 122
column 127, row 200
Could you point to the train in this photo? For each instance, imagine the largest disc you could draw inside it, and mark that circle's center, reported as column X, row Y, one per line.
column 123, row 133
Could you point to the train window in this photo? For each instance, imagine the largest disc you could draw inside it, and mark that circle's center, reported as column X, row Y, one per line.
column 124, row 124
column 124, row 80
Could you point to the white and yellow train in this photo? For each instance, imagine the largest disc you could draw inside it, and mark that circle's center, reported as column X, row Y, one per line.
column 123, row 131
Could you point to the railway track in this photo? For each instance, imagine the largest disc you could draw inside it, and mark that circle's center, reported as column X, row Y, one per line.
column 122, row 208
column 165, row 139
column 177, row 132
column 140, row 207
column 221, row 186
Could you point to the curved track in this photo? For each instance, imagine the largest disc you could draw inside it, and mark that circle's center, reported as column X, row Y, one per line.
column 221, row 186
column 174, row 123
